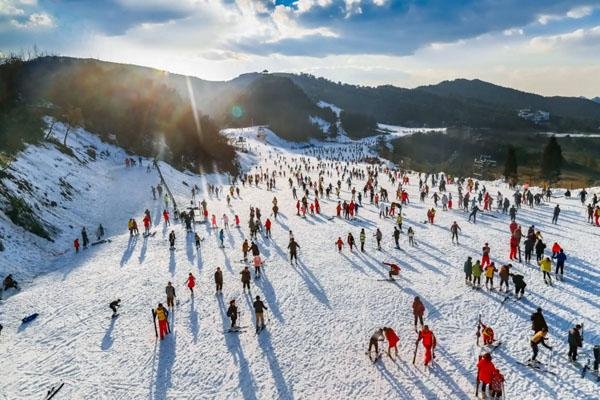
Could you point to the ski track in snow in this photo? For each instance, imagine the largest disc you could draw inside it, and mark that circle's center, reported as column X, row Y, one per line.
column 321, row 312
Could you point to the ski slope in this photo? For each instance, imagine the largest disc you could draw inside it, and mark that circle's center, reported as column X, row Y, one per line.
column 321, row 312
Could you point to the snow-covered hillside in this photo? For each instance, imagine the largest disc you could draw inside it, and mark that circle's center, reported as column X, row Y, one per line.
column 321, row 312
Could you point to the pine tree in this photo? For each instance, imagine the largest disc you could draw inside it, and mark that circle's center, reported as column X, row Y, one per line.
column 551, row 160
column 510, row 165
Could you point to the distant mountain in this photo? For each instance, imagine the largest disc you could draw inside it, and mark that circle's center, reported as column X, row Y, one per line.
column 278, row 102
column 596, row 99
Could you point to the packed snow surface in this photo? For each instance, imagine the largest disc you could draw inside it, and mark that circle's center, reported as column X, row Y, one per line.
column 321, row 312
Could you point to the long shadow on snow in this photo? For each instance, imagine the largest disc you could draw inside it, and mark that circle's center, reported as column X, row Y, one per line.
column 194, row 320
column 391, row 379
column 172, row 262
column 166, row 359
column 456, row 389
column 281, row 385
column 107, row 340
column 189, row 247
column 129, row 250
column 245, row 378
column 312, row 283
column 270, row 295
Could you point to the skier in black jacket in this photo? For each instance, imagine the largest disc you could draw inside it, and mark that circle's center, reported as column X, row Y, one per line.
column 575, row 340
column 259, row 308
column 232, row 313
column 520, row 285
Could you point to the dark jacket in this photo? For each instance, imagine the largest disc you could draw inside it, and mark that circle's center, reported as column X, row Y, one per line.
column 575, row 338
column 538, row 322
column 293, row 246
column 170, row 291
column 518, row 280
column 259, row 306
column 468, row 267
column 232, row 311
column 219, row 277
column 245, row 275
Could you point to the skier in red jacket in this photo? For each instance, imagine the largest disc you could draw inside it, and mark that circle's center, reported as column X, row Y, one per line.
column 429, row 343
column 268, row 227
column 394, row 269
column 485, row 370
column 166, row 218
column 76, row 245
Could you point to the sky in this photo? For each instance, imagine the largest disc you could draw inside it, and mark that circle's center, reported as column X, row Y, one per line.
column 550, row 47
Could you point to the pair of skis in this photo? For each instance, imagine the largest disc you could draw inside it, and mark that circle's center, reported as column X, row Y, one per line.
column 53, row 391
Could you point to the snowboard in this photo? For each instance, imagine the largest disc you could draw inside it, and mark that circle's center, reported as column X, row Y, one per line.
column 149, row 234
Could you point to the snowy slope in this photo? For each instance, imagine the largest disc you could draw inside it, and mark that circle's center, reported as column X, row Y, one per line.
column 321, row 313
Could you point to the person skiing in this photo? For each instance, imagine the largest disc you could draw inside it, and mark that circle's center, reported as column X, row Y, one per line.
column 396, row 237
column 429, row 343
column 339, row 243
column 560, row 257
column 454, row 229
column 232, row 313
column 468, row 270
column 99, row 232
column 197, row 240
column 539, row 250
column 546, row 267
column 114, row 305
column 219, row 280
column 485, row 369
column 170, row 291
column 76, row 245
column 191, row 283
column 9, row 282
column 374, row 342
column 411, row 236
column 172, row 240
column 245, row 249
column 538, row 338
column 473, row 214
column 362, row 237
column 268, row 228
column 245, row 279
column 418, row 310
column 378, row 236
column 293, row 246
column 476, row 272
column 84, row 238
column 555, row 214
column 575, row 340
column 259, row 308
column 222, row 238
column 496, row 385
column 392, row 339
column 162, row 314
column 257, row 261
column 538, row 322
column 520, row 285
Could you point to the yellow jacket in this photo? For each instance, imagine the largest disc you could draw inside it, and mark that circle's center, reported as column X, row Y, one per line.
column 539, row 336
column 545, row 265
column 489, row 271
column 161, row 314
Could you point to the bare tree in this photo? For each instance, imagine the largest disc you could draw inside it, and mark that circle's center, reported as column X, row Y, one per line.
column 74, row 118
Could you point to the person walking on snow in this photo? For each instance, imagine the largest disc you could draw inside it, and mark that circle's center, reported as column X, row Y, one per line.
column 555, row 214
column 396, row 236
column 362, row 237
column 485, row 258
column 350, row 241
column 172, row 240
column 84, row 238
column 219, row 280
column 232, row 313
column 561, row 257
column 575, row 340
column 259, row 308
column 468, row 270
column 378, row 236
column 504, row 274
column 546, row 267
column 374, row 342
column 163, row 324
column 418, row 310
column 76, row 245
column 454, row 229
column 473, row 214
column 166, row 218
column 268, row 228
column 392, row 339
column 485, row 370
column 170, row 291
column 538, row 322
column 245, row 279
column 191, row 283
column 339, row 243
column 476, row 272
column 293, row 246
column 429, row 343
column 222, row 238
column 489, row 276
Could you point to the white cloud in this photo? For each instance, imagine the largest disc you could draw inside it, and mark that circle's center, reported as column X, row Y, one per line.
column 574, row 13
column 570, row 41
column 35, row 20
column 513, row 32
column 13, row 8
